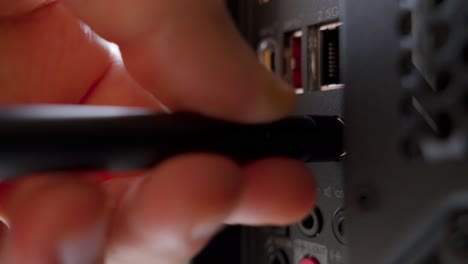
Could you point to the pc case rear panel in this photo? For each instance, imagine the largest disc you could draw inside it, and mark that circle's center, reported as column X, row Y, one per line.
column 276, row 21
column 405, row 70
column 407, row 169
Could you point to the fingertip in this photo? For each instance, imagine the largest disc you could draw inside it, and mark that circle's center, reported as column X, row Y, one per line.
column 277, row 191
column 57, row 221
column 278, row 99
column 188, row 188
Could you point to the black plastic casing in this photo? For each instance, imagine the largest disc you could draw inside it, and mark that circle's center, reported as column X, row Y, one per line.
column 38, row 139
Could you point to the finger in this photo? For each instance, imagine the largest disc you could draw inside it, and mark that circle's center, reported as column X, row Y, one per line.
column 117, row 88
column 189, row 54
column 12, row 8
column 50, row 56
column 174, row 210
column 56, row 221
column 277, row 192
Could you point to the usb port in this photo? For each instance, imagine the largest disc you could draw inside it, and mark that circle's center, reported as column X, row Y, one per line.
column 329, row 56
column 267, row 54
column 292, row 57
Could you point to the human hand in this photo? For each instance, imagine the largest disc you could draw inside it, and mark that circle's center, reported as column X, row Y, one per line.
column 188, row 55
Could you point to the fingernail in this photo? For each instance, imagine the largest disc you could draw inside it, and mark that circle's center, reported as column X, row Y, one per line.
column 170, row 241
column 164, row 107
column 205, row 231
column 173, row 240
column 279, row 99
column 281, row 95
column 85, row 247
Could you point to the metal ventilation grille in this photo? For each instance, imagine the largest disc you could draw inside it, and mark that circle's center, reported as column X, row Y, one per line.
column 434, row 74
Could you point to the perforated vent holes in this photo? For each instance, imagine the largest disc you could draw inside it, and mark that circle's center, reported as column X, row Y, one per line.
column 434, row 72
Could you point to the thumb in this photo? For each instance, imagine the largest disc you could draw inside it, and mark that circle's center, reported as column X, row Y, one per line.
column 190, row 55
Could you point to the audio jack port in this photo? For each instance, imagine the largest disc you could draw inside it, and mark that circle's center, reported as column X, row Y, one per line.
column 338, row 224
column 309, row 260
column 279, row 257
column 311, row 226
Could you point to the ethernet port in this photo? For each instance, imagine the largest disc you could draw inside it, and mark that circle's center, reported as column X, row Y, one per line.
column 329, row 56
column 268, row 54
column 292, row 60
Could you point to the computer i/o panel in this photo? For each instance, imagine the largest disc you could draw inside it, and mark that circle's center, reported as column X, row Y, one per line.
column 403, row 78
column 299, row 41
column 402, row 71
